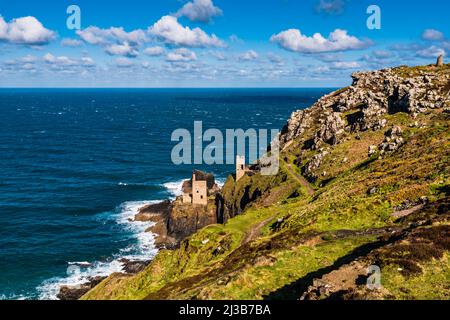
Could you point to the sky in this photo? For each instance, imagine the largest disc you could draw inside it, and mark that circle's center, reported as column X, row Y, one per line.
column 214, row 43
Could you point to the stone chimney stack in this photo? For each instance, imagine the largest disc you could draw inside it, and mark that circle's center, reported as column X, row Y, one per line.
column 440, row 61
column 240, row 167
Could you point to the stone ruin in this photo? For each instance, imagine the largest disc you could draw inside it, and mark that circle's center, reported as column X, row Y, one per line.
column 197, row 189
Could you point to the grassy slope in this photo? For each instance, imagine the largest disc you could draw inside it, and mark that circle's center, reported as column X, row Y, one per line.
column 296, row 239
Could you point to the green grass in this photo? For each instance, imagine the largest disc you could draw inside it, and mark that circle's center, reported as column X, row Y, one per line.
column 191, row 259
column 258, row 281
column 432, row 284
column 215, row 263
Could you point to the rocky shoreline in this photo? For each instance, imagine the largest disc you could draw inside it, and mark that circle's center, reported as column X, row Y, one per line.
column 158, row 214
column 172, row 220
column 373, row 156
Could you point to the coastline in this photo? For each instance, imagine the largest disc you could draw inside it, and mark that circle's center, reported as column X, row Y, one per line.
column 80, row 223
column 83, row 275
column 323, row 216
column 147, row 220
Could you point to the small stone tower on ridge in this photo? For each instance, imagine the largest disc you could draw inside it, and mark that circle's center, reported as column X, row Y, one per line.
column 199, row 191
column 240, row 167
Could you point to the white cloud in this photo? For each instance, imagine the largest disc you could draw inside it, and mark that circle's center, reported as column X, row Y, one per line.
column 274, row 58
column 219, row 55
column 330, row 57
column 115, row 40
column 342, row 65
column 26, row 30
column 406, row 47
column 169, row 30
column 338, row 40
column 331, row 6
column 431, row 52
column 96, row 36
column 67, row 42
column 249, row 55
column 154, row 51
column 87, row 61
column 124, row 62
column 380, row 59
column 181, row 54
column 382, row 54
column 28, row 59
column 28, row 66
column 24, row 63
column 446, row 45
column 93, row 35
column 432, row 35
column 199, row 10
column 62, row 62
column 122, row 50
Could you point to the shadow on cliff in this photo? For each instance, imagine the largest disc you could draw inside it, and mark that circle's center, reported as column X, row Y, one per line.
column 294, row 290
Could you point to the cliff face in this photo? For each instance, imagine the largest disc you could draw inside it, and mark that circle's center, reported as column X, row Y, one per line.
column 364, row 182
column 250, row 190
column 174, row 220
column 185, row 220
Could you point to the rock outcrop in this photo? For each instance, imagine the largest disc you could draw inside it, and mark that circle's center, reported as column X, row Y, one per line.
column 392, row 140
column 77, row 291
column 297, row 123
column 312, row 166
column 186, row 219
column 363, row 105
column 331, row 130
column 154, row 212
column 133, row 267
column 158, row 213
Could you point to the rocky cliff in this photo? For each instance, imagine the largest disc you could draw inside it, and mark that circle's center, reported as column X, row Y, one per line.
column 364, row 184
column 371, row 96
column 175, row 220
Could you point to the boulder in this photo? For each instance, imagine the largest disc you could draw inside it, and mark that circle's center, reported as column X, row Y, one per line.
column 77, row 291
column 133, row 267
column 331, row 131
column 154, row 212
column 372, row 150
column 393, row 140
column 311, row 168
column 296, row 125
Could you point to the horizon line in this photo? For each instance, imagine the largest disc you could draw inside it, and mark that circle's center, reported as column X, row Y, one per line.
column 315, row 87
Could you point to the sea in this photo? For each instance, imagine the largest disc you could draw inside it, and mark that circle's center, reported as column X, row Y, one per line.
column 77, row 164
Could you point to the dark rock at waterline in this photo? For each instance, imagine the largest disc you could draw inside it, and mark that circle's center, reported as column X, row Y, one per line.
column 154, row 212
column 175, row 220
column 77, row 291
column 133, row 267
column 166, row 242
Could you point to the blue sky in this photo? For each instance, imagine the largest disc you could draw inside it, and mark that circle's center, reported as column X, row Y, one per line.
column 213, row 43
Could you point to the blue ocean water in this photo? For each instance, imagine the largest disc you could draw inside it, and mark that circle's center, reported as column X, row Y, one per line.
column 76, row 164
